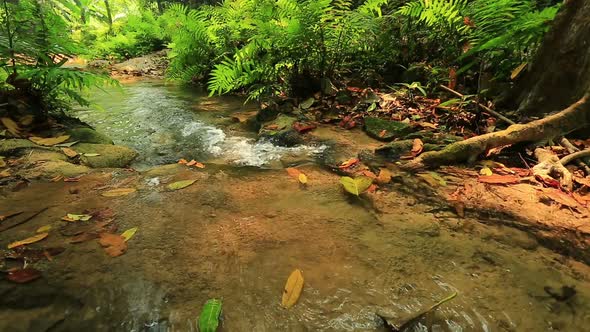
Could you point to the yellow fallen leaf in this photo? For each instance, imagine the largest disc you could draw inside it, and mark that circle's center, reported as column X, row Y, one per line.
column 4, row 174
column 27, row 120
column 302, row 178
column 28, row 240
column 486, row 171
column 44, row 229
column 91, row 154
column 50, row 140
column 69, row 152
column 2, row 162
column 293, row 289
column 11, row 126
column 128, row 234
column 180, row 184
column 76, row 217
column 118, row 192
column 516, row 72
column 357, row 185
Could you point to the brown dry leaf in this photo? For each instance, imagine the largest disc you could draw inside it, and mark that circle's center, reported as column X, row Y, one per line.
column 83, row 237
column 57, row 178
column 560, row 197
column 584, row 200
column 191, row 163
column 2, row 162
column 292, row 289
column 69, row 152
column 50, row 141
column 417, row 147
column 349, row 163
column 5, row 173
column 582, row 181
column 293, row 172
column 382, row 133
column 428, row 125
column 182, row 161
column 11, row 126
column 384, row 176
column 29, row 240
column 23, row 276
column 27, row 120
column 499, row 179
column 114, row 245
column 459, row 208
column 199, row 165
column 74, row 179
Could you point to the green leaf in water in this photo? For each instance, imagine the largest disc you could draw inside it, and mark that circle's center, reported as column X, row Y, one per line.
column 180, row 184
column 209, row 318
column 357, row 185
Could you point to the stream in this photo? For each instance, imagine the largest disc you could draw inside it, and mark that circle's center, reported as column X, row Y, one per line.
column 238, row 232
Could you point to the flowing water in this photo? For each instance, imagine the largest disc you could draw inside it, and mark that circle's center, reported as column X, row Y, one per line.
column 238, row 232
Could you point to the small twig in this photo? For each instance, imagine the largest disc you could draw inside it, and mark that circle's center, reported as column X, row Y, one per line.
column 6, row 226
column 574, row 156
column 524, row 161
column 487, row 109
column 584, row 163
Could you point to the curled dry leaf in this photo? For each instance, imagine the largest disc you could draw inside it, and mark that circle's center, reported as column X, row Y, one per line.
column 23, row 276
column 292, row 290
column 114, row 245
column 349, row 163
column 182, row 161
column 11, row 126
column 118, row 192
column 50, row 141
column 191, row 163
column 417, row 147
column 559, row 197
column 69, row 152
column 29, row 240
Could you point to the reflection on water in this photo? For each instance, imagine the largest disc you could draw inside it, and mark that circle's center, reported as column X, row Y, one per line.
column 155, row 119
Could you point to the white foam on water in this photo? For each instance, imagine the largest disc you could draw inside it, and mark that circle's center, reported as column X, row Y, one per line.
column 241, row 150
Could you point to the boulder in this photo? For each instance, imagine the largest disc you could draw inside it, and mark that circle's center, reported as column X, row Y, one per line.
column 385, row 130
column 280, row 131
column 88, row 135
column 110, row 156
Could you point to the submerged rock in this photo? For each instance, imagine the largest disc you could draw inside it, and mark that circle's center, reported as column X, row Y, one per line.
column 54, row 168
column 88, row 135
column 110, row 156
column 385, row 130
column 280, row 131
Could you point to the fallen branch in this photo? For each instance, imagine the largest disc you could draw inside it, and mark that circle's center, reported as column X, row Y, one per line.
column 487, row 109
column 572, row 118
column 575, row 156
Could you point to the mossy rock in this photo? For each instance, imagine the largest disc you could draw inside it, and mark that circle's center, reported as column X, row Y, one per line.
column 110, row 156
column 385, row 130
column 10, row 146
column 164, row 170
column 54, row 168
column 88, row 135
column 41, row 155
column 280, row 131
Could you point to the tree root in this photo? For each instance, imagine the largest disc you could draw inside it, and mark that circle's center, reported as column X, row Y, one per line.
column 575, row 156
column 550, row 167
column 572, row 118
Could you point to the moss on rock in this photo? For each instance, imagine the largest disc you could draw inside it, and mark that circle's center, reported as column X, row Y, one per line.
column 110, row 156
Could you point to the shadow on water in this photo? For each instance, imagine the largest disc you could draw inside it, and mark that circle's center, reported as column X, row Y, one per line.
column 237, row 233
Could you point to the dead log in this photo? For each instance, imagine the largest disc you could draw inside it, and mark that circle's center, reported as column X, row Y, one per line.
column 574, row 117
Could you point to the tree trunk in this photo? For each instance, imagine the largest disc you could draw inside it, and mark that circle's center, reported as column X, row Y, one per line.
column 109, row 16
column 560, row 74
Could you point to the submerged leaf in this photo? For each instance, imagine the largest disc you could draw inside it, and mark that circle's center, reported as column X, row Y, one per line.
column 128, row 234
column 114, row 245
column 118, row 192
column 76, row 217
column 293, row 289
column 44, row 229
column 293, row 172
column 50, row 141
column 180, row 184
column 302, row 178
column 209, row 317
column 22, row 276
column 29, row 240
column 357, row 185
column 384, row 176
